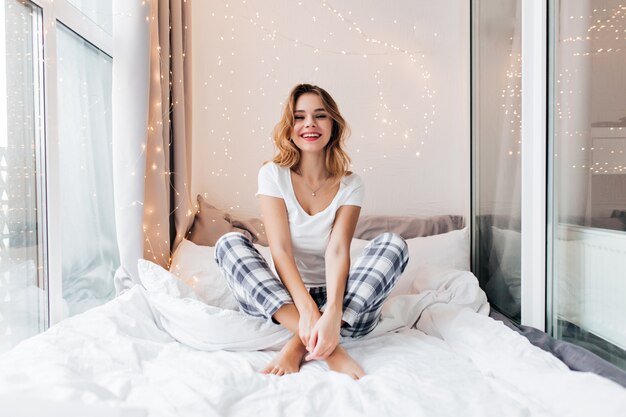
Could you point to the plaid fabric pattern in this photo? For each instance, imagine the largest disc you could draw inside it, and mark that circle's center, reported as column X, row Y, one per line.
column 260, row 293
column 371, row 279
column 319, row 296
column 255, row 287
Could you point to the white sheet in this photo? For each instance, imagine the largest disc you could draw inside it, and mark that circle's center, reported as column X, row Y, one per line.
column 178, row 311
column 117, row 357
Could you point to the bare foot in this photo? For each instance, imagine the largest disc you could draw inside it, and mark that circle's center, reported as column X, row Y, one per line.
column 288, row 359
column 340, row 361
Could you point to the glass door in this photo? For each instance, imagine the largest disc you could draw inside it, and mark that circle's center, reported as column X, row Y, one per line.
column 496, row 162
column 58, row 246
column 23, row 277
column 587, row 165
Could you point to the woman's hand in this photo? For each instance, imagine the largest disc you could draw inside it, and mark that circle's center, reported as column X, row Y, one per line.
column 309, row 316
column 325, row 335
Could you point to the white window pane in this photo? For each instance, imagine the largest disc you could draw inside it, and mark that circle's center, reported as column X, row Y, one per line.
column 100, row 11
column 22, row 287
column 89, row 246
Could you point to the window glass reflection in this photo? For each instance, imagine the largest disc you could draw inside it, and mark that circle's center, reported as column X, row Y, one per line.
column 22, row 287
column 497, row 136
column 589, row 285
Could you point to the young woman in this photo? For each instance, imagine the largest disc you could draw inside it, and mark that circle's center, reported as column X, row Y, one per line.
column 310, row 205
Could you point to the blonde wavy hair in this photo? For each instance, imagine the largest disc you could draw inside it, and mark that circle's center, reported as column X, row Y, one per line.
column 337, row 160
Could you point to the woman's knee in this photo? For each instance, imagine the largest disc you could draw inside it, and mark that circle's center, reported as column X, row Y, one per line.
column 395, row 248
column 391, row 239
column 228, row 242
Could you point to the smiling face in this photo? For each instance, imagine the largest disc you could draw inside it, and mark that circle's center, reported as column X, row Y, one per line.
column 312, row 125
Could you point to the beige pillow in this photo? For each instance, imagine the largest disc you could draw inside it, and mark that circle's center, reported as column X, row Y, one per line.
column 210, row 223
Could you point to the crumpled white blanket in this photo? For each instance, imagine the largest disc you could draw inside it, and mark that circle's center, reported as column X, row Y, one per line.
column 119, row 360
column 209, row 328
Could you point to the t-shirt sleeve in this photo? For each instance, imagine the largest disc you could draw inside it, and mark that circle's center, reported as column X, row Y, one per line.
column 268, row 181
column 356, row 193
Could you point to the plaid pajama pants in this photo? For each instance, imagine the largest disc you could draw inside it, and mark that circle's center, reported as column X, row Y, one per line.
column 260, row 293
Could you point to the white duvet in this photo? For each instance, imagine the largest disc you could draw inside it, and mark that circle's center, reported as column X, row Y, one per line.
column 154, row 352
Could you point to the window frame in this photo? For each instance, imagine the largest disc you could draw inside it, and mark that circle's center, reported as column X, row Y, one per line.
column 534, row 170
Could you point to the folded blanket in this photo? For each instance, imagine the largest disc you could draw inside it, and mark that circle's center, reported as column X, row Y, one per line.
column 178, row 312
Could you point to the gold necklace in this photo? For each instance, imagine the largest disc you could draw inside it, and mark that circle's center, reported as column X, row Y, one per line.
column 313, row 192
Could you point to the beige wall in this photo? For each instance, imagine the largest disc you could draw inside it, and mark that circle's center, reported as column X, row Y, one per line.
column 407, row 102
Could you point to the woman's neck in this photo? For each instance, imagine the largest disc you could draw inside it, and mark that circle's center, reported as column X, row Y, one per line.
column 312, row 167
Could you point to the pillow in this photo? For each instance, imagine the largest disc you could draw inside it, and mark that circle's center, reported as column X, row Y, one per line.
column 611, row 223
column 448, row 250
column 370, row 226
column 507, row 245
column 195, row 266
column 210, row 223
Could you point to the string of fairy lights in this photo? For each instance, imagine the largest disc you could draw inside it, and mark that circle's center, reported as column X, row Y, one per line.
column 404, row 125
column 156, row 223
column 605, row 28
column 344, row 23
column 511, row 96
column 333, row 22
column 390, row 48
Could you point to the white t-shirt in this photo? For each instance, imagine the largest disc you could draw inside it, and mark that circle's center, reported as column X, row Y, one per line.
column 309, row 234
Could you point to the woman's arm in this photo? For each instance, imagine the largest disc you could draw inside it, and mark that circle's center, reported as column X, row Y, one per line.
column 338, row 256
column 325, row 335
column 276, row 222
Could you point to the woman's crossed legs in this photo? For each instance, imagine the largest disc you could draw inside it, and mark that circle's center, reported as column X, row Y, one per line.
column 260, row 293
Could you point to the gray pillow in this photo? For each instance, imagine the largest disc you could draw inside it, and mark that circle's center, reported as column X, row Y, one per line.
column 370, row 226
column 210, row 223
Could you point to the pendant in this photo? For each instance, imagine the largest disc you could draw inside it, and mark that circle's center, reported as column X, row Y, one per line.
column 313, row 194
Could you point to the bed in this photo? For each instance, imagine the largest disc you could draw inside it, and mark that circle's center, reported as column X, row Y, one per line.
column 174, row 347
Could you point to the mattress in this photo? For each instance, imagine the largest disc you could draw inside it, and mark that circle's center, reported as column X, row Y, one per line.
column 120, row 359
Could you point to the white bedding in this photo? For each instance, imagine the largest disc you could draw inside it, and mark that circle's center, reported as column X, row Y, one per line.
column 122, row 359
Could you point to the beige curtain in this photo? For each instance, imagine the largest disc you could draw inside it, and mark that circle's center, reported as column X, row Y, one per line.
column 168, row 210
column 151, row 131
